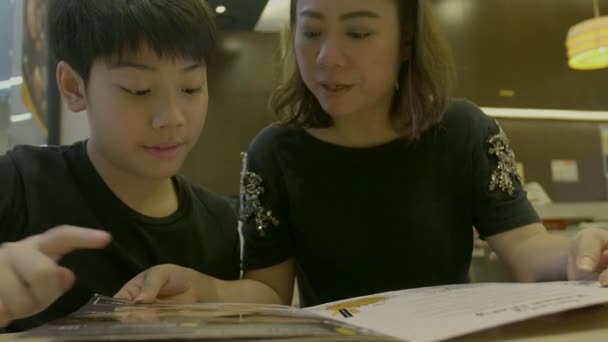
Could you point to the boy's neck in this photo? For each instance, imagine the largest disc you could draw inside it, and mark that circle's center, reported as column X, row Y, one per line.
column 149, row 197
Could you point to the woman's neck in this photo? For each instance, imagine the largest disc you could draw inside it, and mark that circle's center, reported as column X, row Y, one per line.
column 357, row 132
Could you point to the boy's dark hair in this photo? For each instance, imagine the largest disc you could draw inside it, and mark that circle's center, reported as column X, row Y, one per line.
column 82, row 31
column 425, row 81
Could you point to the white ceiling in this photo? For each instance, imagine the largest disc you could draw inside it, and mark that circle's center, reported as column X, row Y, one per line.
column 274, row 17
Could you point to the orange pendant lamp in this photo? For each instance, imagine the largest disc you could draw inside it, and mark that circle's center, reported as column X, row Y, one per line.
column 587, row 43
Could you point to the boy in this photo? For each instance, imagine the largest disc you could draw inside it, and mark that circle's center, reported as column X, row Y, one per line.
column 139, row 68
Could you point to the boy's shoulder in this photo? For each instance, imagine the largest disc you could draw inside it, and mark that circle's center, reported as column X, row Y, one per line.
column 36, row 181
column 34, row 161
column 32, row 152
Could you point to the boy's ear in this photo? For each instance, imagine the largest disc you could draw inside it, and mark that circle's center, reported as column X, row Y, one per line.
column 72, row 87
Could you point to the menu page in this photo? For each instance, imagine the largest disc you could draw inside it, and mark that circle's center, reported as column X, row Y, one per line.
column 442, row 312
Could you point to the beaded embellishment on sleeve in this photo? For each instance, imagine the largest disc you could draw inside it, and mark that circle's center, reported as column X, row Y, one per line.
column 506, row 169
column 252, row 189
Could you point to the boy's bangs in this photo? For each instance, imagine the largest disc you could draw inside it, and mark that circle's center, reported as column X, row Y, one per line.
column 169, row 31
column 82, row 31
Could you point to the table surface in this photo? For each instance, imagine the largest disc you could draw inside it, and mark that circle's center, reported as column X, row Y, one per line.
column 587, row 324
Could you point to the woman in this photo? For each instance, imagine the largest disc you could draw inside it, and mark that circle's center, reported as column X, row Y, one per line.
column 375, row 176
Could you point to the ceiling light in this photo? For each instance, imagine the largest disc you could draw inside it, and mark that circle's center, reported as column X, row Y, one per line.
column 220, row 9
column 587, row 43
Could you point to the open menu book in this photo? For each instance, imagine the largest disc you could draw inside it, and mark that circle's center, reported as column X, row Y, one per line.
column 424, row 314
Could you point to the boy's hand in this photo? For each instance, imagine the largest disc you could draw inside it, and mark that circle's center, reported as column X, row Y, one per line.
column 31, row 279
column 164, row 283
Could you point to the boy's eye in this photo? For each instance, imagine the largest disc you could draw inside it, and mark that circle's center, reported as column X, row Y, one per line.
column 136, row 92
column 192, row 91
column 359, row 34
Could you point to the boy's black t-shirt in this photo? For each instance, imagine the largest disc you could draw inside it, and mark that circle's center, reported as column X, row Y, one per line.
column 44, row 187
column 400, row 215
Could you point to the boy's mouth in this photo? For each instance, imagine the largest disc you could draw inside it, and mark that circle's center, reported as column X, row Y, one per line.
column 164, row 150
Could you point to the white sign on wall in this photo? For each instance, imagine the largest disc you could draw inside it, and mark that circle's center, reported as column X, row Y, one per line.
column 564, row 171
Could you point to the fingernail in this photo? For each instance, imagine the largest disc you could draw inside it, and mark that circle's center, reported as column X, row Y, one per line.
column 586, row 264
column 140, row 298
column 100, row 234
